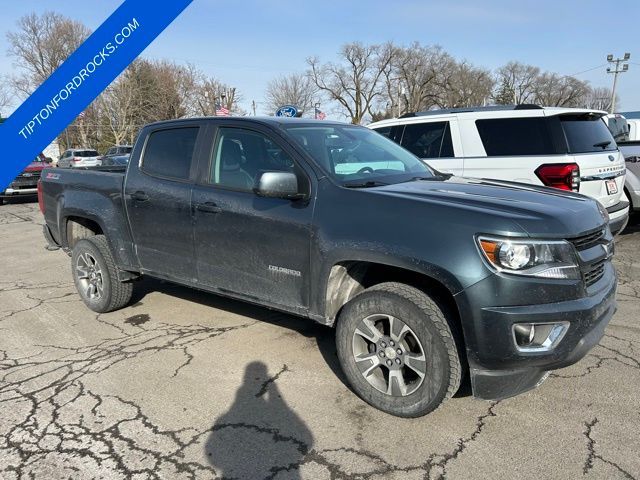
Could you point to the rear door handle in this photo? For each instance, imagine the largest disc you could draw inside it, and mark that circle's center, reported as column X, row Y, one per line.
column 140, row 196
column 208, row 207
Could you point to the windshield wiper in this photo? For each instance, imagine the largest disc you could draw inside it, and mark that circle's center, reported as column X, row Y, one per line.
column 367, row 184
column 603, row 144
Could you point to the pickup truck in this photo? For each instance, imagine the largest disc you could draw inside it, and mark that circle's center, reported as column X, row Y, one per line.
column 429, row 279
column 26, row 183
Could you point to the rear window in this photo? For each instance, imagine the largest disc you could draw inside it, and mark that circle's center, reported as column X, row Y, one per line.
column 517, row 136
column 587, row 133
column 168, row 153
column 428, row 140
column 85, row 153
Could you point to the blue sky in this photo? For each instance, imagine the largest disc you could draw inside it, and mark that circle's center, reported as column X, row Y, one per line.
column 245, row 43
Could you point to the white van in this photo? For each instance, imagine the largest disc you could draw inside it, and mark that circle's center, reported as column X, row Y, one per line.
column 567, row 148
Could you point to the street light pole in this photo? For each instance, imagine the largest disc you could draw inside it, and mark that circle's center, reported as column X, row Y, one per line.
column 616, row 70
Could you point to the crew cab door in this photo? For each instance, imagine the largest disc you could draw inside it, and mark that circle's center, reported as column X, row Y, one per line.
column 158, row 200
column 245, row 244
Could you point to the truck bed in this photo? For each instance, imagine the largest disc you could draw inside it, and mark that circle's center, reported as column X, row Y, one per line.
column 96, row 194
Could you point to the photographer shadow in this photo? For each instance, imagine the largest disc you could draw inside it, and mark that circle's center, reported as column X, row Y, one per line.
column 260, row 435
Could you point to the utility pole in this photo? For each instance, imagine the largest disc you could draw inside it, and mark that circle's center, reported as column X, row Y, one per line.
column 253, row 106
column 616, row 70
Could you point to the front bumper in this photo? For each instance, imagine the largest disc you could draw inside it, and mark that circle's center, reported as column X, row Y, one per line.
column 499, row 369
column 20, row 191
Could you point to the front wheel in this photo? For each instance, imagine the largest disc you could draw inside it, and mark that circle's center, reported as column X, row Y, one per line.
column 96, row 276
column 397, row 350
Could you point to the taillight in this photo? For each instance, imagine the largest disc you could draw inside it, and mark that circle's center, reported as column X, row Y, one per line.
column 565, row 176
column 40, row 199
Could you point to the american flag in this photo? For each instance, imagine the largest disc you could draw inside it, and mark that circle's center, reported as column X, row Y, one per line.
column 221, row 111
column 320, row 115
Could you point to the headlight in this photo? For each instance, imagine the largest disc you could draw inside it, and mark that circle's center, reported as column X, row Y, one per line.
column 534, row 258
column 603, row 212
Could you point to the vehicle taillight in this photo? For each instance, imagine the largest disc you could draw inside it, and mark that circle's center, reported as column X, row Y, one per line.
column 565, row 176
column 40, row 199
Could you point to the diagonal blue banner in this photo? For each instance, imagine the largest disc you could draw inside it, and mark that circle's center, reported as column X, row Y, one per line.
column 79, row 80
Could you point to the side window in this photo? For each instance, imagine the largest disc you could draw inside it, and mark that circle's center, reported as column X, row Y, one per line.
column 392, row 132
column 428, row 140
column 240, row 155
column 517, row 136
column 168, row 153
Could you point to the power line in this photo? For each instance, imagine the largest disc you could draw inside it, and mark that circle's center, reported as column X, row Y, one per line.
column 585, row 71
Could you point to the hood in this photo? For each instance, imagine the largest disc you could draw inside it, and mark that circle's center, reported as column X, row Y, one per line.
column 539, row 211
column 35, row 167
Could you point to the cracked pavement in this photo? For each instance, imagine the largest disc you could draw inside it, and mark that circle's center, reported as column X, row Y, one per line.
column 183, row 384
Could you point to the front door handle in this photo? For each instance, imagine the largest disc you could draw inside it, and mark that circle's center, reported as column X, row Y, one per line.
column 140, row 196
column 208, row 207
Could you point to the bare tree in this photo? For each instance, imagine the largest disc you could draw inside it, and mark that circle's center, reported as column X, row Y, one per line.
column 296, row 89
column 553, row 90
column 414, row 82
column 599, row 98
column 516, row 83
column 6, row 98
column 41, row 44
column 354, row 82
column 464, row 85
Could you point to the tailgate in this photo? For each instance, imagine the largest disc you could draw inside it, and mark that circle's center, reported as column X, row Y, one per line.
column 602, row 176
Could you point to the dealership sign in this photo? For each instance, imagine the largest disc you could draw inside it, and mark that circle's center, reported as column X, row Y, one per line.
column 80, row 79
column 287, row 111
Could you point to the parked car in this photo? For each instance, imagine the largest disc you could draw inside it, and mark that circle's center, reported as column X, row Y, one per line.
column 117, row 155
column 427, row 277
column 631, row 152
column 634, row 129
column 26, row 183
column 79, row 157
column 566, row 148
column 618, row 126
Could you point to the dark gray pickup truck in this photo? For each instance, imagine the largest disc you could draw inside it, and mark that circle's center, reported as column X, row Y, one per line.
column 429, row 279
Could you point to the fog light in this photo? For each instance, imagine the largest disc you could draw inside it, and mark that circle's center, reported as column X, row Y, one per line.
column 524, row 333
column 538, row 337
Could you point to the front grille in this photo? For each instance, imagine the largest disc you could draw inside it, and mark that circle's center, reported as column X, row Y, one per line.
column 587, row 241
column 594, row 272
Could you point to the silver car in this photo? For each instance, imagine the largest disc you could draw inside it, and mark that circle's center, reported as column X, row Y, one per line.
column 631, row 152
column 79, row 157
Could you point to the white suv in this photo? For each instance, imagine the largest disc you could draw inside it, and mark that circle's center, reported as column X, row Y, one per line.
column 567, row 148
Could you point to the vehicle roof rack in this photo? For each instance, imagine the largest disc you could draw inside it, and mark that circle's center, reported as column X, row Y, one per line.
column 490, row 108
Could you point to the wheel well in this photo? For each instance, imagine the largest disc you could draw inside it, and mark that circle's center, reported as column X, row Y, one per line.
column 347, row 279
column 79, row 228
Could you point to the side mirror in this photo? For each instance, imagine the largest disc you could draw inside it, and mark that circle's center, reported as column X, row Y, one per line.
column 278, row 185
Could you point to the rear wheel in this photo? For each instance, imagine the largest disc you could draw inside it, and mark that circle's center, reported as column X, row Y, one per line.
column 397, row 350
column 96, row 276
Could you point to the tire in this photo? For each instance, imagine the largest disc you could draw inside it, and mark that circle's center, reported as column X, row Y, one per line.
column 400, row 305
column 102, row 292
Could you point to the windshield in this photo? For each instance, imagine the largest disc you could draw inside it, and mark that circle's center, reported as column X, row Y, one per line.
column 587, row 133
column 355, row 155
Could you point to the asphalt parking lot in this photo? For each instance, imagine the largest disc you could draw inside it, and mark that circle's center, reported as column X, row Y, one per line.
column 183, row 384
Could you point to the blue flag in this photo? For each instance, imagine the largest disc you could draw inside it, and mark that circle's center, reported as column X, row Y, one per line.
column 80, row 79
